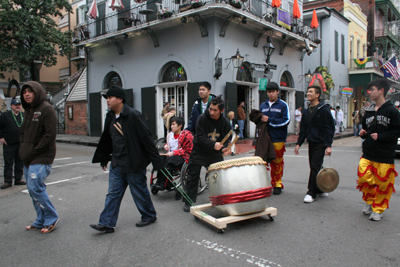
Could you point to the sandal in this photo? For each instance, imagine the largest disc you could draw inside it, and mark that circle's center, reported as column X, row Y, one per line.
column 31, row 227
column 49, row 228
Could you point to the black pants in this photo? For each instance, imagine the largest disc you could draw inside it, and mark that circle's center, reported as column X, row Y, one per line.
column 10, row 154
column 197, row 161
column 316, row 153
column 170, row 163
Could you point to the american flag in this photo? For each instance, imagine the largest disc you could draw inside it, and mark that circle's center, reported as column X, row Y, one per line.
column 391, row 66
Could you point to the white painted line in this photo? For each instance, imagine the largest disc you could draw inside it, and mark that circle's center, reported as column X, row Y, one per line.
column 236, row 254
column 57, row 182
column 75, row 163
column 63, row 158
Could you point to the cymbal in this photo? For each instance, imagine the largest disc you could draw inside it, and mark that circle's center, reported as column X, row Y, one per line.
column 327, row 180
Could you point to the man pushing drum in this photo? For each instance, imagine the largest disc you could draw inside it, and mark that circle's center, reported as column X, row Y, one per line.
column 211, row 128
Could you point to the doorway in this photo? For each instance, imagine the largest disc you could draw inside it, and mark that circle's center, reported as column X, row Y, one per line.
column 244, row 94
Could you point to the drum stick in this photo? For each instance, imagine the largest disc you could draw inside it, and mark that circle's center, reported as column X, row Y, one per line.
column 233, row 142
column 226, row 137
column 163, row 154
column 119, row 125
column 119, row 130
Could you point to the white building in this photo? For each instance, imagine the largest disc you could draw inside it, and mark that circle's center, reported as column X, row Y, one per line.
column 158, row 60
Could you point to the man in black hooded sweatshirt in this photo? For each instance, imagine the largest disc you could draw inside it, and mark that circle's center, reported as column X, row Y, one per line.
column 211, row 128
column 376, row 170
column 317, row 126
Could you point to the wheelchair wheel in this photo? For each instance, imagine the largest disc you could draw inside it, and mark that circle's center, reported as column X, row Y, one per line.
column 203, row 183
column 154, row 191
column 160, row 144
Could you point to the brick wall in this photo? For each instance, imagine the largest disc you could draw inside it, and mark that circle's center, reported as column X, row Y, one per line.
column 78, row 125
column 336, row 4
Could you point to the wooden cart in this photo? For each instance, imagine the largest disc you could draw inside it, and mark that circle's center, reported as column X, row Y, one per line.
column 221, row 223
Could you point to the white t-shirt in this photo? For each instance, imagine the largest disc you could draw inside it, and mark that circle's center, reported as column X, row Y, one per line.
column 204, row 105
column 297, row 115
column 270, row 104
column 340, row 115
column 333, row 114
column 172, row 142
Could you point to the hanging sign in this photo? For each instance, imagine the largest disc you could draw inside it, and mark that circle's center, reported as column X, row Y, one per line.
column 347, row 91
column 263, row 84
column 284, row 19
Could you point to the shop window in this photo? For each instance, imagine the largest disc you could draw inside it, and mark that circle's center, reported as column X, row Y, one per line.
column 111, row 79
column 173, row 72
column 244, row 73
column 286, row 80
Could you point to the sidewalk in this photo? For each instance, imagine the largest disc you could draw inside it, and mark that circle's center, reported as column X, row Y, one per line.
column 242, row 146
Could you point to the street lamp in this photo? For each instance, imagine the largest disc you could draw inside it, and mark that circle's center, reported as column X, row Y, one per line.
column 308, row 76
column 237, row 59
column 268, row 49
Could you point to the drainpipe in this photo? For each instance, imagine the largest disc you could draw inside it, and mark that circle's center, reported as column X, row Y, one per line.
column 69, row 28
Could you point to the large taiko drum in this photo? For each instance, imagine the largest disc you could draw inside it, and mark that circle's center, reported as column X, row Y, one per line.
column 239, row 186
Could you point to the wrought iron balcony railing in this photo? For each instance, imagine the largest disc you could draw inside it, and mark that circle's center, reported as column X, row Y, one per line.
column 141, row 13
column 372, row 63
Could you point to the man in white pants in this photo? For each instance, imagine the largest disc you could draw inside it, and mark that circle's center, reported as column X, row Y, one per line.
column 339, row 119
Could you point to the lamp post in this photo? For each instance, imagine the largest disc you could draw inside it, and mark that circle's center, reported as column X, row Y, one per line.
column 237, row 59
column 268, row 49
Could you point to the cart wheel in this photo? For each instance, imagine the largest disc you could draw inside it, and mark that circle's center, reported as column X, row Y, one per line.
column 271, row 218
column 196, row 218
column 220, row 231
column 154, row 191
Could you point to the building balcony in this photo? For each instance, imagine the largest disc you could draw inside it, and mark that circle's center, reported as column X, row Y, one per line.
column 365, row 65
column 141, row 18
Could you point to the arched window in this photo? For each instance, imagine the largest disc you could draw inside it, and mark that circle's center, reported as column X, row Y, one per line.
column 244, row 73
column 112, row 78
column 173, row 72
column 286, row 80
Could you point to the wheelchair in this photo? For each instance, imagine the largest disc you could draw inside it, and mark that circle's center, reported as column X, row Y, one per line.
column 179, row 179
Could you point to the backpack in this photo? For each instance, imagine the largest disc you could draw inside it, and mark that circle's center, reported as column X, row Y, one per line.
column 357, row 117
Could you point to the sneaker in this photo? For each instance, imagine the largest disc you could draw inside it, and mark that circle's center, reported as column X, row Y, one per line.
column 375, row 216
column 308, row 199
column 277, row 191
column 323, row 195
column 367, row 209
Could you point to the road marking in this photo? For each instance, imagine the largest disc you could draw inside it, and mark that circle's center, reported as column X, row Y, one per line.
column 237, row 254
column 75, row 163
column 57, row 182
column 63, row 158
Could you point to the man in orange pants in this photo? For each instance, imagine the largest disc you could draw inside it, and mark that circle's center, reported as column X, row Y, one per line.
column 277, row 116
column 380, row 130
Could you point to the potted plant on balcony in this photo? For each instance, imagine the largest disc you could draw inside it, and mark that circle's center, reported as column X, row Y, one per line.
column 235, row 3
column 164, row 13
column 197, row 3
column 75, row 40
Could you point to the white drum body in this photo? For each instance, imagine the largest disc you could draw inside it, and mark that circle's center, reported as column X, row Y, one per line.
column 239, row 186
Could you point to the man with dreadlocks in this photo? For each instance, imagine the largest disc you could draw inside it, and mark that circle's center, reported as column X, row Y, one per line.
column 277, row 116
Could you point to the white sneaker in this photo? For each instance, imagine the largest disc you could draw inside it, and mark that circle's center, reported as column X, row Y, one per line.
column 308, row 199
column 375, row 216
column 367, row 209
column 323, row 195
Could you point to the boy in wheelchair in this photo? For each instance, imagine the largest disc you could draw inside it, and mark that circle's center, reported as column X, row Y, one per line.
column 179, row 146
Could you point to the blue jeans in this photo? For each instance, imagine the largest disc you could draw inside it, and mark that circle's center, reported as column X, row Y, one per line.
column 116, row 188
column 35, row 175
column 357, row 129
column 241, row 127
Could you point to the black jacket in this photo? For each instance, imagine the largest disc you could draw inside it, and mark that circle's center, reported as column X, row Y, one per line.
column 318, row 127
column 210, row 131
column 138, row 141
column 386, row 123
column 194, row 115
column 9, row 129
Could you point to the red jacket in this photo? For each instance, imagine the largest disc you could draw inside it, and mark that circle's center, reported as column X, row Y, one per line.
column 185, row 145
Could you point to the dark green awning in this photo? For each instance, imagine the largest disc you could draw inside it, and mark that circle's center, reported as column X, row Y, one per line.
column 362, row 79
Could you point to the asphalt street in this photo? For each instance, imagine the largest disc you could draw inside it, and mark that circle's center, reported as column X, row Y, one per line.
column 331, row 231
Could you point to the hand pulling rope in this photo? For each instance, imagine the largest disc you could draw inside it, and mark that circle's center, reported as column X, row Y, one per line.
column 182, row 192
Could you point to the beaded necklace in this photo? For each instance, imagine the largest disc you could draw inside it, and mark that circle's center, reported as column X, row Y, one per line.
column 22, row 119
